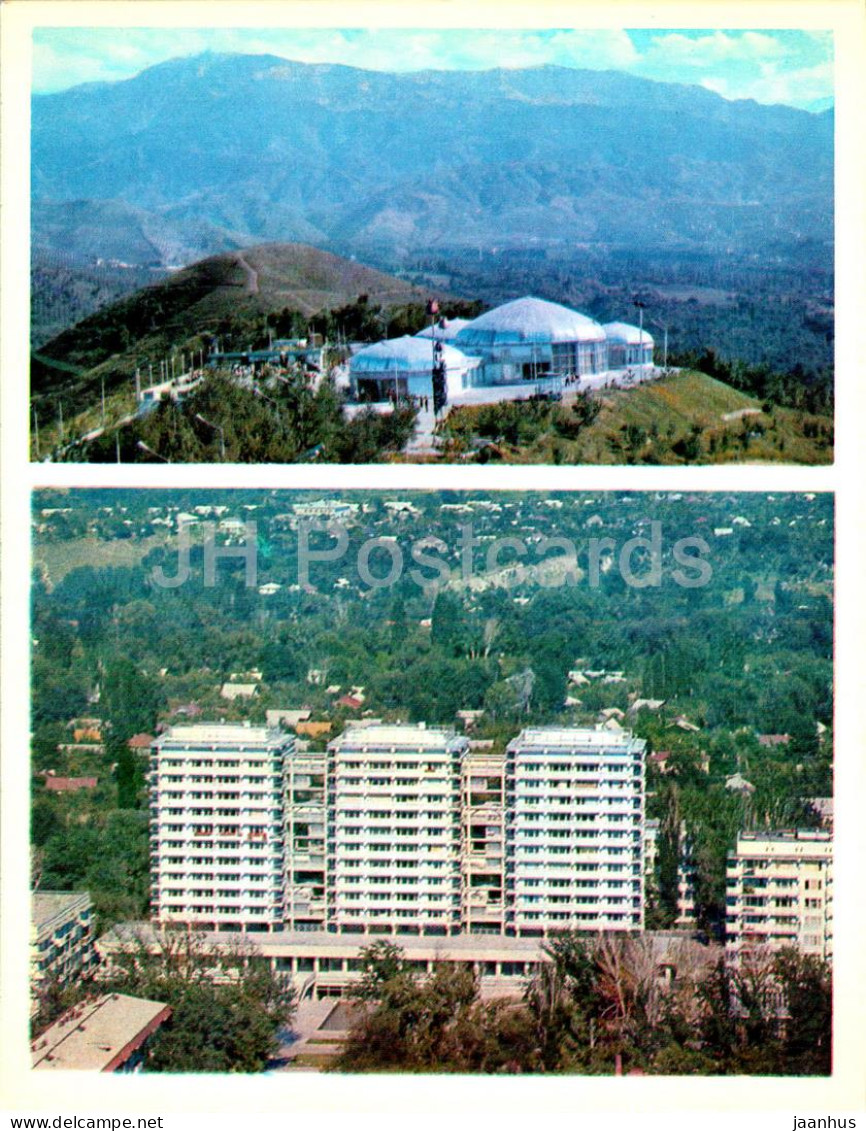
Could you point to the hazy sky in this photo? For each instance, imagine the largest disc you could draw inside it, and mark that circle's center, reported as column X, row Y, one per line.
column 793, row 67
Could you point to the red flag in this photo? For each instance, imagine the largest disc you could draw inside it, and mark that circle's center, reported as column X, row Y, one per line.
column 432, row 306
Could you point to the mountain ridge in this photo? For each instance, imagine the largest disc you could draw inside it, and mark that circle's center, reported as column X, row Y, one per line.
column 235, row 149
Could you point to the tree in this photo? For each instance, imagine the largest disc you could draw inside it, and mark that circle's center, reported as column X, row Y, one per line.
column 381, row 964
column 446, row 631
column 130, row 698
column 227, row 1004
column 399, row 623
column 807, row 993
column 435, row 1023
column 128, row 774
column 562, row 1003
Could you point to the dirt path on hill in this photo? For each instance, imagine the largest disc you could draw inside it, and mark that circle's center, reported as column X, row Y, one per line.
column 252, row 276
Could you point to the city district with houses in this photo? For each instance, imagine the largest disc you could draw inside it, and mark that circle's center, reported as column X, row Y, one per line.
column 490, row 825
column 420, row 836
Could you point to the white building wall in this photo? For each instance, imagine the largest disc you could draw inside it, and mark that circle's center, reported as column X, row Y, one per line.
column 217, row 825
column 576, row 853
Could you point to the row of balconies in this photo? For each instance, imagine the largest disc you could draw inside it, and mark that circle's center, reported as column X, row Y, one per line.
column 230, row 911
column 224, row 880
column 227, row 895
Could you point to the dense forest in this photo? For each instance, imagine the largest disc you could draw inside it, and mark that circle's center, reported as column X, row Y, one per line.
column 66, row 290
column 745, row 655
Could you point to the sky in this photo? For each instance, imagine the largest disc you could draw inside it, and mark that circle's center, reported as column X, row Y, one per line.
column 771, row 66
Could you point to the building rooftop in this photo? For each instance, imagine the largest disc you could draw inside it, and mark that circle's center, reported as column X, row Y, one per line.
column 787, row 836
column 239, row 690
column 232, row 734
column 739, row 784
column 406, row 736
column 445, row 333
column 627, row 334
column 574, row 738
column 289, row 717
column 325, row 944
column 406, row 355
column 69, row 785
column 100, row 1035
column 48, row 906
column 529, row 319
column 140, row 741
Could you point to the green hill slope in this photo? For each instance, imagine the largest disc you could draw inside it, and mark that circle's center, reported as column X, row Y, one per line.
column 686, row 417
column 210, row 297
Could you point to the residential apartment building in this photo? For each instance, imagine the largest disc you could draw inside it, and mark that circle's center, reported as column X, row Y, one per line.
column 398, row 829
column 217, row 833
column 575, row 799
column 394, row 852
column 61, row 946
column 780, row 893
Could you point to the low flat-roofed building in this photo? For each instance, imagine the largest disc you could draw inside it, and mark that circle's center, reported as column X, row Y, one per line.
column 323, row 963
column 105, row 1035
column 62, row 937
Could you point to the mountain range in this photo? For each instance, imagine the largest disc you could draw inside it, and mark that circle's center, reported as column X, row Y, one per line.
column 205, row 154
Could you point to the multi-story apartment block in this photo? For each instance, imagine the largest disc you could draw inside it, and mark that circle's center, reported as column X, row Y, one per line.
column 575, row 801
column 394, row 848
column 398, row 829
column 780, row 893
column 217, row 835
column 62, row 938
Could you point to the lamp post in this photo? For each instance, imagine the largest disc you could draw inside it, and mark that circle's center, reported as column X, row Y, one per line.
column 640, row 306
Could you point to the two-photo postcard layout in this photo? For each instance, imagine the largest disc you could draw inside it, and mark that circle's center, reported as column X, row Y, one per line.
column 431, row 562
